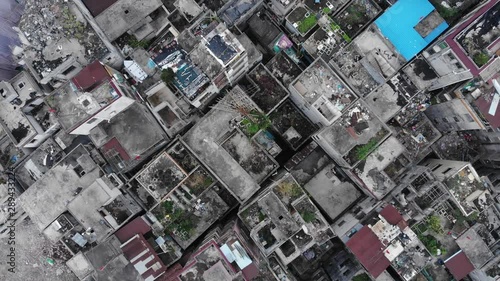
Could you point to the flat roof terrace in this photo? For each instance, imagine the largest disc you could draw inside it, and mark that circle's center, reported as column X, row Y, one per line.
column 303, row 19
column 255, row 161
column 388, row 99
column 161, row 176
column 123, row 15
column 417, row 135
column 320, row 81
column 204, row 141
column 14, row 122
column 371, row 169
column 333, row 195
column 327, row 39
column 283, row 68
column 125, row 134
column 354, row 136
column 270, row 92
column 355, row 16
column 292, row 124
column 38, row 162
column 48, row 197
column 411, row 25
column 381, row 54
column 355, row 66
column 464, row 187
column 186, row 219
column 476, row 41
column 74, row 107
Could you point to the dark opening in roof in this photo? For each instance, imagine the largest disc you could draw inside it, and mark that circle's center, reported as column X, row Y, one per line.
column 98, row 6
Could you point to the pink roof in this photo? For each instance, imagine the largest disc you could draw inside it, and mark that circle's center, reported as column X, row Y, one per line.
column 484, row 106
column 250, row 272
column 137, row 226
column 91, row 76
column 368, row 249
column 116, row 145
column 139, row 250
column 459, row 265
column 450, row 40
column 391, row 215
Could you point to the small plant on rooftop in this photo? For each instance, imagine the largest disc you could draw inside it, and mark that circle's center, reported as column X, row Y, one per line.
column 167, row 75
column 261, row 216
column 308, row 216
column 361, row 277
column 480, row 59
column 431, row 244
column 134, row 43
column 306, row 24
column 289, row 189
column 334, row 26
column 255, row 122
column 434, row 223
column 346, row 38
column 363, row 151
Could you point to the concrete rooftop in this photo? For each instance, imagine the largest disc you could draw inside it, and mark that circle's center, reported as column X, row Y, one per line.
column 161, row 176
column 73, row 107
column 128, row 129
column 342, row 135
column 45, row 200
column 251, row 157
column 204, row 140
column 333, row 195
column 33, row 167
column 475, row 248
column 371, row 170
column 319, row 80
column 124, row 15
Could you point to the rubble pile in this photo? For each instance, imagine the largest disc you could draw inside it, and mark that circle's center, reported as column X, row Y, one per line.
column 56, row 30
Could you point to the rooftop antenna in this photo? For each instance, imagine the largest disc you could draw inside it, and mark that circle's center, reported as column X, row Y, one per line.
column 237, row 101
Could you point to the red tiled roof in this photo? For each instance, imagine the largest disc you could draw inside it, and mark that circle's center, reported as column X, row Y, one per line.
column 368, row 249
column 137, row 226
column 89, row 77
column 459, row 265
column 139, row 250
column 98, row 6
column 450, row 39
column 250, row 272
column 391, row 215
column 116, row 145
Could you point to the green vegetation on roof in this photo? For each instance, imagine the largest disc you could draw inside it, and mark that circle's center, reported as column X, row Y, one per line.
column 480, row 59
column 363, row 151
column 308, row 216
column 306, row 24
column 361, row 277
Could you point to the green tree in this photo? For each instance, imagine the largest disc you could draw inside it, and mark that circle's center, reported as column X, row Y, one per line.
column 167, row 75
column 308, row 216
column 434, row 224
column 481, row 59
